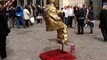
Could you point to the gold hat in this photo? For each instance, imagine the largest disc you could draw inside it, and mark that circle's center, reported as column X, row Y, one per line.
column 51, row 1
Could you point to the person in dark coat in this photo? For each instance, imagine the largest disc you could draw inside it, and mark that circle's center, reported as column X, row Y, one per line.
column 80, row 15
column 103, row 22
column 4, row 30
column 12, row 16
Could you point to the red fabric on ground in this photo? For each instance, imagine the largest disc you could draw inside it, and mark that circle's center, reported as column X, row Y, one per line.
column 57, row 55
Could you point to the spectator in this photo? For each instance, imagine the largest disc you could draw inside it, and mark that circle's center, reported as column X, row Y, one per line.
column 70, row 16
column 19, row 16
column 80, row 19
column 91, row 19
column 27, row 15
column 12, row 17
column 4, row 30
column 62, row 15
column 66, row 15
column 34, row 11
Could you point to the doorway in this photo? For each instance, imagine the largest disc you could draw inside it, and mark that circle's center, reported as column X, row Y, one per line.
column 91, row 2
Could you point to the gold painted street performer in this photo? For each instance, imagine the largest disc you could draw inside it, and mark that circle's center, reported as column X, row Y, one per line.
column 54, row 22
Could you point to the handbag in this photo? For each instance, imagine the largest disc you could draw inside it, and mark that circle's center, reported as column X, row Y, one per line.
column 32, row 20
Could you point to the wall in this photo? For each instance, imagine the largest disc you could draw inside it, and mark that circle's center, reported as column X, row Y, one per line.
column 63, row 3
column 96, row 4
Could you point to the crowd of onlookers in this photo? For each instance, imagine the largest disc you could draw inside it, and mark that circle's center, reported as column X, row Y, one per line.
column 21, row 15
column 81, row 14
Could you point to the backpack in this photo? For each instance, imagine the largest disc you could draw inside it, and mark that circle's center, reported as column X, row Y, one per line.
column 18, row 9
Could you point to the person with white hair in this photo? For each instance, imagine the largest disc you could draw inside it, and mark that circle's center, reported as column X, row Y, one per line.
column 103, row 22
column 80, row 19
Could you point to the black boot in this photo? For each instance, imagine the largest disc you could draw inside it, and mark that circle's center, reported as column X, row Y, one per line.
column 3, row 53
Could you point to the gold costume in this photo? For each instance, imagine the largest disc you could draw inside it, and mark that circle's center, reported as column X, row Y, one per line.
column 54, row 22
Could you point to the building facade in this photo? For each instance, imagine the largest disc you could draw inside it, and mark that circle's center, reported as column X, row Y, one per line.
column 97, row 4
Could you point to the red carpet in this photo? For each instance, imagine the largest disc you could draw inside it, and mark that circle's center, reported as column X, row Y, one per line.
column 57, row 55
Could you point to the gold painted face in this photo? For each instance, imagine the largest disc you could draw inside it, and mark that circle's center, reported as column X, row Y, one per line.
column 52, row 1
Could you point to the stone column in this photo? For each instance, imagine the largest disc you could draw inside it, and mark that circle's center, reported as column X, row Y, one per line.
column 25, row 2
column 44, row 3
column 87, row 2
column 60, row 4
column 97, row 7
column 17, row 1
column 33, row 1
column 65, row 3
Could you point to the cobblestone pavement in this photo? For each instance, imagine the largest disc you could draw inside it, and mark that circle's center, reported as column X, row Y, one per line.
column 28, row 43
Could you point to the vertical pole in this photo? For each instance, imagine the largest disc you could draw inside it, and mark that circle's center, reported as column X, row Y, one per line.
column 44, row 3
column 62, row 47
column 33, row 2
column 41, row 2
column 17, row 2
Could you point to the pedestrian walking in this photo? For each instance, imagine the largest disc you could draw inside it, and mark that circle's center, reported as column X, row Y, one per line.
column 103, row 22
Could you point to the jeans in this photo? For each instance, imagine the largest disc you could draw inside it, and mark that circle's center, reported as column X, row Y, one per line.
column 80, row 26
column 91, row 24
column 20, row 21
column 66, row 21
column 70, row 20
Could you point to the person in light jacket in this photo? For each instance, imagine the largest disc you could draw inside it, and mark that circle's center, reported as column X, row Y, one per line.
column 27, row 15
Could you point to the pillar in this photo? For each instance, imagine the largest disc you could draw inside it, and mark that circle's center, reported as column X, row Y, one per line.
column 97, row 7
column 25, row 2
column 44, row 3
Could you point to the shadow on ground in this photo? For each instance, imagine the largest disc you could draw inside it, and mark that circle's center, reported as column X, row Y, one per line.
column 97, row 38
